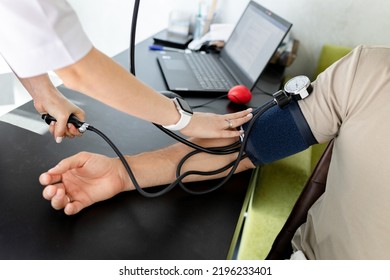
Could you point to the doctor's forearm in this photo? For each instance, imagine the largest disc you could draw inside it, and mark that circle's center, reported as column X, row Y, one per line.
column 98, row 76
column 40, row 88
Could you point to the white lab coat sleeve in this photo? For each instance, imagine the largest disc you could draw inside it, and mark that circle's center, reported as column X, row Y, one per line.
column 37, row 36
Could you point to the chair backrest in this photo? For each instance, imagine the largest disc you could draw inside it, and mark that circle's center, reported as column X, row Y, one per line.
column 330, row 54
column 313, row 189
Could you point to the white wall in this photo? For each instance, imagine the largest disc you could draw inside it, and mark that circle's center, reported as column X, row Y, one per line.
column 108, row 22
column 315, row 22
column 346, row 22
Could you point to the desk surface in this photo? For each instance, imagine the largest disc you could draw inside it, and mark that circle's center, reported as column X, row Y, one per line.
column 129, row 226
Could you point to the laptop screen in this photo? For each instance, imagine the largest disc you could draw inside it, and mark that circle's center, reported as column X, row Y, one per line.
column 252, row 43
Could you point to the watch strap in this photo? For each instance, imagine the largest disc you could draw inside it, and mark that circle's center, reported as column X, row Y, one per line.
column 184, row 120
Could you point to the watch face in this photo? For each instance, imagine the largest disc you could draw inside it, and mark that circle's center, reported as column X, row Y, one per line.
column 184, row 105
column 296, row 84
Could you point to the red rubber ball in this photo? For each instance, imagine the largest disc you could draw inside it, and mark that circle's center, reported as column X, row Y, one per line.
column 240, row 94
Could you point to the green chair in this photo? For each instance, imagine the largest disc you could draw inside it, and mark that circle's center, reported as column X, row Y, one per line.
column 329, row 55
column 277, row 186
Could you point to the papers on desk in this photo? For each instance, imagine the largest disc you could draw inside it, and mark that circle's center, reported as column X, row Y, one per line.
column 218, row 32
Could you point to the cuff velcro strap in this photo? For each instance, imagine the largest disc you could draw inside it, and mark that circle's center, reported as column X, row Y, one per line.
column 278, row 133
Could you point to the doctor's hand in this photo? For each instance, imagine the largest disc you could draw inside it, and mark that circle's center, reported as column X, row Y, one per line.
column 48, row 100
column 82, row 180
column 209, row 125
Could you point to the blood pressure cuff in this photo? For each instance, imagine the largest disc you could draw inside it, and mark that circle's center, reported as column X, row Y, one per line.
column 278, row 133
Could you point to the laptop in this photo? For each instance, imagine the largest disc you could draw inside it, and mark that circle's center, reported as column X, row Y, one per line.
column 252, row 43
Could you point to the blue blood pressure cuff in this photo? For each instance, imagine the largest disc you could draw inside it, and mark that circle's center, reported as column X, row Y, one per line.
column 278, row 133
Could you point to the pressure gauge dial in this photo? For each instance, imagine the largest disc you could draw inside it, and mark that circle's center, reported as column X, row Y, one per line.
column 298, row 87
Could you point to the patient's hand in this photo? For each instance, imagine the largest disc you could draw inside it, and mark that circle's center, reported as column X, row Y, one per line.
column 82, row 180
column 85, row 178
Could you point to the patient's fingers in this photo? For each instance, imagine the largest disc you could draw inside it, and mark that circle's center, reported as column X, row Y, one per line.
column 47, row 179
column 50, row 191
column 72, row 162
column 73, row 208
column 60, row 199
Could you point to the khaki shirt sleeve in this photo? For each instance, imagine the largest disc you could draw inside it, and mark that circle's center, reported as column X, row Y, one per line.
column 327, row 106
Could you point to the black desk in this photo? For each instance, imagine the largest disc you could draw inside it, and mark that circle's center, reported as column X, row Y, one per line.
column 129, row 226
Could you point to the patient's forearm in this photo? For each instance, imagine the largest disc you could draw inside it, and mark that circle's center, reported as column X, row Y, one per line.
column 159, row 167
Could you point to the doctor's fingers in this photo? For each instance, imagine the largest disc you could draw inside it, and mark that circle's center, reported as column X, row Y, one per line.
column 239, row 114
column 59, row 131
column 239, row 120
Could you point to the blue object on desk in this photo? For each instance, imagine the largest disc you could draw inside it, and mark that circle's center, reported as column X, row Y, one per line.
column 162, row 48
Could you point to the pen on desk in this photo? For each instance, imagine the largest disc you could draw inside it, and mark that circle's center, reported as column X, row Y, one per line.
column 162, row 48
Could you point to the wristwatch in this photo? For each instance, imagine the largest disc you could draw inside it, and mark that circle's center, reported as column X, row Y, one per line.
column 298, row 87
column 185, row 112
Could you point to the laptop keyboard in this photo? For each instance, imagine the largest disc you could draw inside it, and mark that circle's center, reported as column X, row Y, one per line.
column 209, row 74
